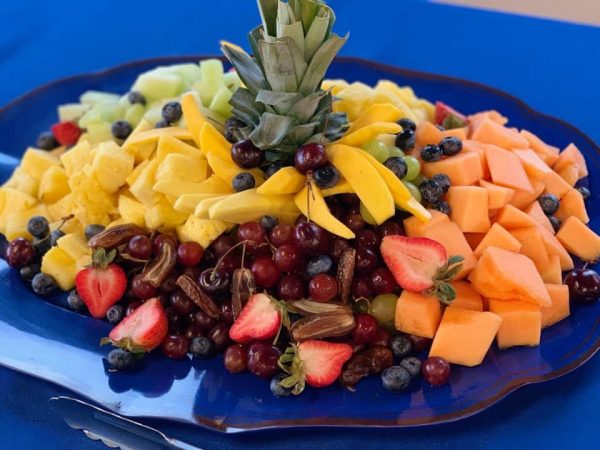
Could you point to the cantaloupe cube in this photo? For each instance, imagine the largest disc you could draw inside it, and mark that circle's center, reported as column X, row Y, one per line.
column 479, row 148
column 548, row 153
column 532, row 245
column 61, row 267
column 507, row 275
column 460, row 133
column 572, row 204
column 571, row 156
column 418, row 314
column 427, row 134
column 491, row 132
column 463, row 169
column 414, row 227
column 535, row 211
column 469, row 208
column 465, row 336
column 474, row 239
column 554, row 247
column 466, row 296
column 523, row 198
column 521, row 323
column 552, row 273
column 556, row 185
column 570, row 174
column 452, row 238
column 533, row 164
column 498, row 196
column 492, row 114
column 510, row 218
column 499, row 237
column 579, row 240
column 506, row 169
column 560, row 308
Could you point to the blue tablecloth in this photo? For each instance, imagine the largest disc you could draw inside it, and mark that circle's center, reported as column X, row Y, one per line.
column 552, row 66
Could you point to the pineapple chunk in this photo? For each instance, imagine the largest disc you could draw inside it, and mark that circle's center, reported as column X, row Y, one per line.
column 178, row 188
column 177, row 167
column 23, row 182
column 16, row 223
column 69, row 226
column 162, row 216
column 54, row 185
column 35, row 162
column 112, row 166
column 131, row 211
column 74, row 245
column 140, row 152
column 12, row 201
column 58, row 264
column 192, row 115
column 135, row 173
column 202, row 231
column 141, row 188
column 93, row 203
column 116, row 222
column 168, row 145
column 62, row 208
column 285, row 181
column 155, row 133
column 77, row 157
column 83, row 262
column 334, row 85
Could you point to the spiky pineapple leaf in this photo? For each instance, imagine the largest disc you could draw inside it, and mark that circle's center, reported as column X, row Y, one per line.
column 306, row 107
column 301, row 133
column 280, row 101
column 268, row 14
column 246, row 67
column 320, row 62
column 280, row 63
column 245, row 106
column 271, row 130
column 253, row 38
column 316, row 35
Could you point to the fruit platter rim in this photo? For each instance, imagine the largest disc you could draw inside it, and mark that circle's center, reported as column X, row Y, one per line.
column 335, row 422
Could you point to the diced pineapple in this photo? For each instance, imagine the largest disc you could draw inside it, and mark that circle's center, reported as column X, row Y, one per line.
column 58, row 264
column 35, row 162
column 16, row 223
column 162, row 216
column 168, row 145
column 131, row 211
column 118, row 221
column 69, row 226
column 335, row 85
column 179, row 188
column 74, row 245
column 12, row 201
column 202, row 231
column 142, row 186
column 54, row 185
column 177, row 167
column 23, row 182
column 62, row 208
column 80, row 155
column 155, row 133
column 58, row 151
column 112, row 166
column 94, row 204
column 135, row 173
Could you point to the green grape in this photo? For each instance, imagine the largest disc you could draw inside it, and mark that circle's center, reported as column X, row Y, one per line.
column 414, row 168
column 366, row 215
column 377, row 149
column 383, row 308
column 419, row 179
column 395, row 151
column 414, row 190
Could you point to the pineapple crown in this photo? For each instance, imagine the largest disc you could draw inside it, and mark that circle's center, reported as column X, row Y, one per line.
column 282, row 103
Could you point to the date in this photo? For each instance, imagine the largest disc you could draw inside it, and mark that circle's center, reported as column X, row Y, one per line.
column 115, row 236
column 198, row 296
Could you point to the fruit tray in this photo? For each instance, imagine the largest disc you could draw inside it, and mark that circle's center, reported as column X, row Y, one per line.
column 62, row 345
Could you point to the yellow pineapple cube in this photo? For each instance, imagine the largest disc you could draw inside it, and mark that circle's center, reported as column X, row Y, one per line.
column 178, row 167
column 16, row 223
column 142, row 186
column 58, row 264
column 135, row 173
column 83, row 262
column 23, row 182
column 162, row 216
column 118, row 221
column 62, row 208
column 54, row 185
column 74, row 159
column 69, row 226
column 202, row 231
column 74, row 245
column 111, row 166
column 12, row 201
column 35, row 162
column 93, row 203
column 141, row 151
column 131, row 211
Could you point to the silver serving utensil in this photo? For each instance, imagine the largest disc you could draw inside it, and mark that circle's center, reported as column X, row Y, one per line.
column 113, row 430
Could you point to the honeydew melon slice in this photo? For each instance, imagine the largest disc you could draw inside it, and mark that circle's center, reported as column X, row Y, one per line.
column 72, row 112
column 97, row 97
column 220, row 102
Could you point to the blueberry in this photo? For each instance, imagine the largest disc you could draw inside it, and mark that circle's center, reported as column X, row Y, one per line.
column 319, row 264
column 555, row 222
column 412, row 365
column 74, row 301
column 202, row 348
column 397, row 165
column 273, row 168
column 442, row 207
column 136, row 97
column 405, row 140
column 232, row 126
column 28, row 272
column 585, row 192
column 442, row 180
column 92, row 230
column 55, row 236
column 407, row 124
column 549, row 204
column 326, row 177
column 400, row 346
column 46, row 141
column 431, row 191
column 38, row 226
column 243, row 181
column 268, row 222
column 171, row 112
column 431, row 153
column 42, row 246
column 161, row 124
column 121, row 129
column 277, row 389
column 451, row 145
column 395, row 378
column 120, row 359
column 43, row 284
column 114, row 314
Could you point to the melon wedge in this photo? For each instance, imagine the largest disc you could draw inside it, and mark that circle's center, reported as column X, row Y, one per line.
column 560, row 308
column 521, row 323
column 510, row 218
column 463, row 169
column 469, row 208
column 533, row 164
column 492, row 132
column 546, row 152
column 571, row 156
column 579, row 240
column 414, row 227
column 536, row 213
column 498, row 196
column 572, row 204
column 499, row 237
column 532, row 245
column 418, row 314
column 427, row 134
column 466, row 296
column 556, row 185
column 506, row 169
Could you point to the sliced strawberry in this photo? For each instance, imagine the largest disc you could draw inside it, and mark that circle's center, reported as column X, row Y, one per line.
column 66, row 133
column 102, row 284
column 259, row 320
column 323, row 361
column 443, row 112
column 143, row 330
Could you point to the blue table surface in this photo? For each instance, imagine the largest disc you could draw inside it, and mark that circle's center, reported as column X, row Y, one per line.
column 552, row 66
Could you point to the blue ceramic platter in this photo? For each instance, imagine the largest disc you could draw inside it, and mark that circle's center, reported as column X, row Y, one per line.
column 46, row 340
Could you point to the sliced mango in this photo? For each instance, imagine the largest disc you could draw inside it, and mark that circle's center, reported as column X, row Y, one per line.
column 343, row 187
column 201, row 210
column 194, row 120
column 359, row 137
column 226, row 169
column 285, row 181
column 187, row 203
column 168, row 145
column 249, row 205
column 378, row 112
column 211, row 141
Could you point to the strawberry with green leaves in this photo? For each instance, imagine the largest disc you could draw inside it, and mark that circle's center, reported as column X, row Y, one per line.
column 260, row 320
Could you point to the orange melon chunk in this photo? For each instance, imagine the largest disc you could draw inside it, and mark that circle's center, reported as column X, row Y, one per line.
column 532, row 245
column 506, row 169
column 427, row 134
column 414, row 227
column 498, row 196
column 579, row 240
column 536, row 213
column 548, row 153
column 556, row 185
column 533, row 164
column 474, row 239
column 570, row 174
column 463, row 169
column 469, row 208
column 552, row 273
column 554, row 247
column 510, row 218
column 498, row 237
column 491, row 114
column 479, row 148
column 571, row 156
column 560, row 308
column 523, row 198
column 464, row 336
column 491, row 132
column 452, row 238
column 521, row 323
column 466, row 296
column 572, row 204
column 507, row 275
column 418, row 314
column 460, row 133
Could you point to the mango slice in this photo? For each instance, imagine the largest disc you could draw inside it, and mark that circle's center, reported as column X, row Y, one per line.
column 285, row 181
column 359, row 137
column 194, row 119
column 378, row 112
column 249, row 205
column 211, row 141
column 226, row 169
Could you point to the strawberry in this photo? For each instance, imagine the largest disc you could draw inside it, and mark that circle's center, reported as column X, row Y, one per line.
column 421, row 265
column 66, row 133
column 143, row 330
column 102, row 284
column 261, row 319
column 317, row 363
column 448, row 117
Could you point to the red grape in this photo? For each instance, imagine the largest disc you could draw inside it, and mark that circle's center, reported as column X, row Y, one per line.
column 382, row 338
column 287, row 258
column 181, row 303
column 366, row 261
column 349, row 199
column 366, row 328
column 160, row 239
column 246, row 155
column 419, row 343
column 231, row 262
column 354, row 221
column 311, row 239
column 383, row 281
column 141, row 289
column 132, row 307
column 337, row 247
column 20, row 253
column 361, row 287
column 266, row 273
column 310, row 157
column 253, row 234
column 368, row 239
column 227, row 312
column 389, row 228
column 584, row 285
column 189, row 254
column 222, row 245
column 436, row 371
column 219, row 334
column 236, row 358
column 169, row 284
column 140, row 247
column 176, row 321
column 290, row 287
column 175, row 347
column 282, row 234
column 193, row 330
column 262, row 359
column 323, row 288
column 203, row 320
